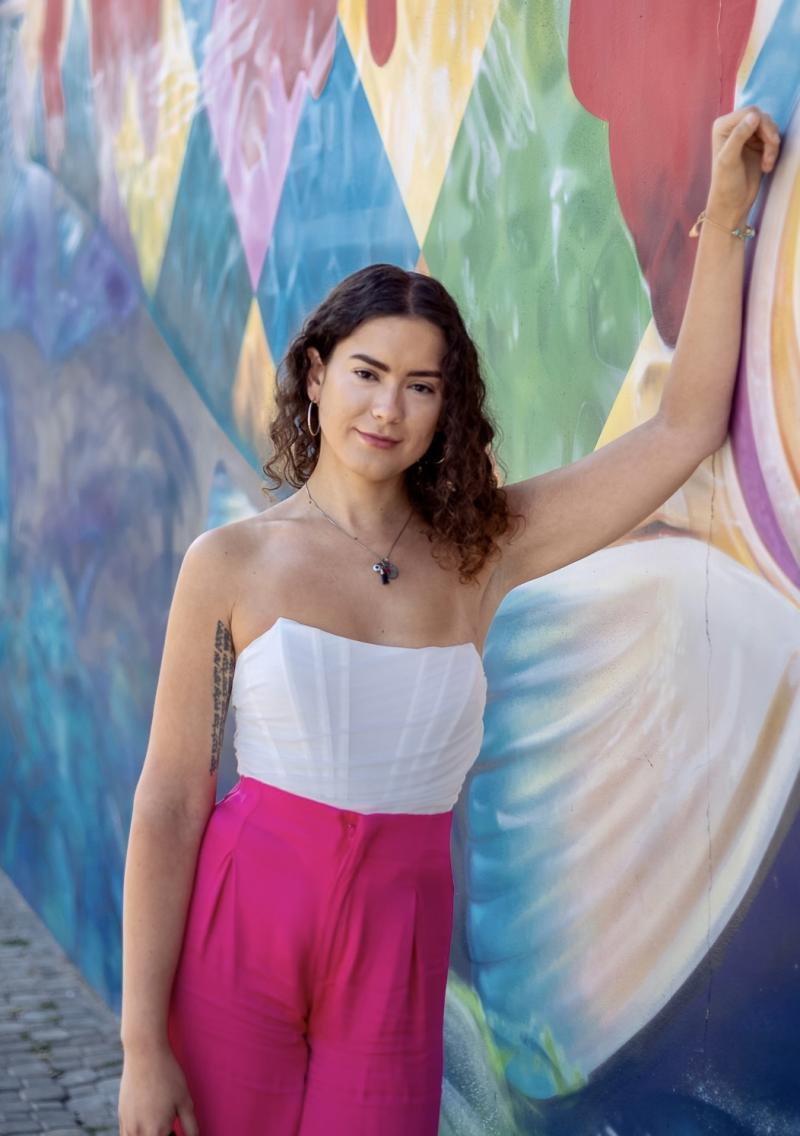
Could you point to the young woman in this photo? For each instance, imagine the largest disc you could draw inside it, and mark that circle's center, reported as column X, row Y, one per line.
column 286, row 949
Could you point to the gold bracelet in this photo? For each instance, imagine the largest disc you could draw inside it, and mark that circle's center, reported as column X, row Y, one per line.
column 742, row 234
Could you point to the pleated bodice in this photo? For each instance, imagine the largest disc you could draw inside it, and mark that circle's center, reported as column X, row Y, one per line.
column 365, row 726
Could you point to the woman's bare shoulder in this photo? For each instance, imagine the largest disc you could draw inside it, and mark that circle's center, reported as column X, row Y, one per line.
column 236, row 541
column 227, row 556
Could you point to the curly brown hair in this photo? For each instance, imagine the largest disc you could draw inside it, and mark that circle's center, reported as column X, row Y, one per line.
column 454, row 486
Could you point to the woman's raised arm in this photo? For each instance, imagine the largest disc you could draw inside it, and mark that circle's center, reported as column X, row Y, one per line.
column 575, row 510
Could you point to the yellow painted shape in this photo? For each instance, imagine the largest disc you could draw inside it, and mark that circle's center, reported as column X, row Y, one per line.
column 689, row 511
column 31, row 35
column 148, row 183
column 419, row 96
column 785, row 363
column 640, row 394
column 253, row 395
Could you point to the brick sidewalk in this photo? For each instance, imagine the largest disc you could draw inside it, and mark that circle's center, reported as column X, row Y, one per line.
column 60, row 1054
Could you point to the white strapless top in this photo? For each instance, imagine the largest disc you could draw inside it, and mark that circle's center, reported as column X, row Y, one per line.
column 364, row 726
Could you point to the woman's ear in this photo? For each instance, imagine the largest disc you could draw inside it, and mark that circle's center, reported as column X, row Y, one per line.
column 315, row 371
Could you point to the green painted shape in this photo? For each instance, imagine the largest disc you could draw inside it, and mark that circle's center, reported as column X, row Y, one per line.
column 528, row 236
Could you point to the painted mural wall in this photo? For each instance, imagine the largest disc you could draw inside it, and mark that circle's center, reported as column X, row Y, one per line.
column 180, row 182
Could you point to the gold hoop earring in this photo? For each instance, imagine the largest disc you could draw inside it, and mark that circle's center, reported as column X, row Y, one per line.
column 313, row 433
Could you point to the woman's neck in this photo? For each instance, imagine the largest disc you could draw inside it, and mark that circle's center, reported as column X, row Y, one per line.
column 359, row 505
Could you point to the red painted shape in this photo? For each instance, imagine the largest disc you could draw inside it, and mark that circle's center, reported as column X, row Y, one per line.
column 659, row 74
column 52, row 35
column 381, row 29
column 120, row 30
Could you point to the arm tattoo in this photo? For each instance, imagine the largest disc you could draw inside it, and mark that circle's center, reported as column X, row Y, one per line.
column 223, row 680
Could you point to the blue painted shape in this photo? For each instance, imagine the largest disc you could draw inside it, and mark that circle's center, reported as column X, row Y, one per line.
column 198, row 16
column 5, row 492
column 37, row 146
column 227, row 501
column 203, row 296
column 91, row 570
column 60, row 279
column 340, row 209
column 774, row 80
column 78, row 167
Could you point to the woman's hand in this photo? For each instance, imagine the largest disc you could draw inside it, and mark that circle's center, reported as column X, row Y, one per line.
column 152, row 1091
column 742, row 150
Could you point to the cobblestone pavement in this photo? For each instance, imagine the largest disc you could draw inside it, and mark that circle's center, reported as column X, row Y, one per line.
column 60, row 1054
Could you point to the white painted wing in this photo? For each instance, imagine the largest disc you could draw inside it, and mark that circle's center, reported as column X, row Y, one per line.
column 642, row 738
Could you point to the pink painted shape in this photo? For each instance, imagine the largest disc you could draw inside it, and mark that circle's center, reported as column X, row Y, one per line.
column 260, row 60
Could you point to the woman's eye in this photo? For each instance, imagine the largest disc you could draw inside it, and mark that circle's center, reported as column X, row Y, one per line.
column 370, row 375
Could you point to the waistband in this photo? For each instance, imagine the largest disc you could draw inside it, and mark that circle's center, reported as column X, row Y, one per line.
column 415, row 833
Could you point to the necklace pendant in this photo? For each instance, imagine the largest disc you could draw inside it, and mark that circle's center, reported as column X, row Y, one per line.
column 386, row 569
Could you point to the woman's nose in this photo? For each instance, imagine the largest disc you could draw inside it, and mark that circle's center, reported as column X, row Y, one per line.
column 387, row 405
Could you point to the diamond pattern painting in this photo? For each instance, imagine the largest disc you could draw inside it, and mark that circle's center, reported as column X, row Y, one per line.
column 181, row 182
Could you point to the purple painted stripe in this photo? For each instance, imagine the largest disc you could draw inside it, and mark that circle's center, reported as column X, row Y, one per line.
column 754, row 488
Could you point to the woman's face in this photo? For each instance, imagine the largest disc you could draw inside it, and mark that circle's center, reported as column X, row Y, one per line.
column 382, row 380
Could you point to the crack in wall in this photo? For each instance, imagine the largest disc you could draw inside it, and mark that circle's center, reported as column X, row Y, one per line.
column 710, row 964
column 719, row 57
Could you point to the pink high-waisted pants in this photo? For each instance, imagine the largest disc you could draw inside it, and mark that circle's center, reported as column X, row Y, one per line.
column 309, row 993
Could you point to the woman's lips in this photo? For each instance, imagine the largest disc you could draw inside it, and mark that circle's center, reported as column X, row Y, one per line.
column 376, row 440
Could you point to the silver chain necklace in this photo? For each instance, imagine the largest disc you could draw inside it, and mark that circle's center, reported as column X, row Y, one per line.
column 383, row 566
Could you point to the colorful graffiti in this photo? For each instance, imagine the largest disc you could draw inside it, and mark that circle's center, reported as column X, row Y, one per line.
column 179, row 183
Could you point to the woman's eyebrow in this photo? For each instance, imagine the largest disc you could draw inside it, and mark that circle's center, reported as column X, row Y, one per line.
column 383, row 367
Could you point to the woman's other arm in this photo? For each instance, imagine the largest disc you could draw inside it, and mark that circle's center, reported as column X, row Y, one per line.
column 172, row 803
